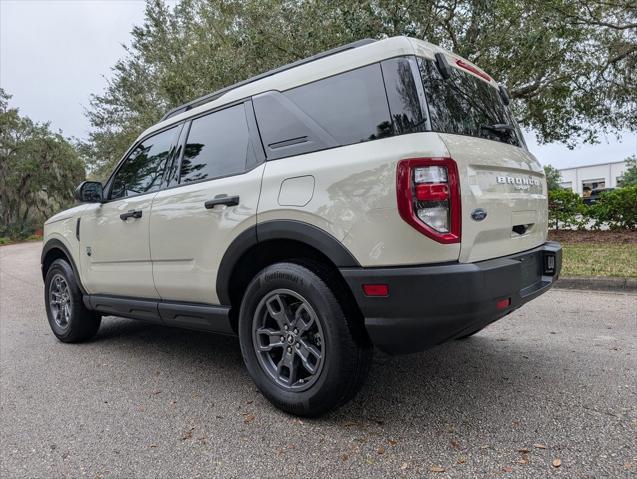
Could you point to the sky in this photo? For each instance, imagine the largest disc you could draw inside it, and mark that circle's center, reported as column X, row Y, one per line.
column 55, row 53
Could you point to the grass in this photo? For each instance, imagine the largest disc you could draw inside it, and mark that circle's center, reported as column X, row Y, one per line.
column 599, row 260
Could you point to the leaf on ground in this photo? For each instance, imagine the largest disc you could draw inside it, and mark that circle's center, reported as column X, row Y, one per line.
column 437, row 469
column 523, row 460
column 507, row 469
column 344, row 457
column 187, row 434
column 524, row 450
column 248, row 418
column 381, row 450
column 153, row 445
column 557, row 462
column 461, row 460
column 539, row 446
column 392, row 442
column 455, row 444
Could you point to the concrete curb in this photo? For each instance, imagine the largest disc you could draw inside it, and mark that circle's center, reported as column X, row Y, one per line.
column 598, row 283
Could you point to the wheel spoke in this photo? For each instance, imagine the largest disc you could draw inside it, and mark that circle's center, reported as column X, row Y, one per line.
column 287, row 364
column 278, row 310
column 309, row 354
column 275, row 339
column 303, row 318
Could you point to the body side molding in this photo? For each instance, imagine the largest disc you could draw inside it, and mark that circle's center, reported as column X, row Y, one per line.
column 197, row 316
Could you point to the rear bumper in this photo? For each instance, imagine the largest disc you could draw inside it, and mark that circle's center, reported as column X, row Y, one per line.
column 428, row 305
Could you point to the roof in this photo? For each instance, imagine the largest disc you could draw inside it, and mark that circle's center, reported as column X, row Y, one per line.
column 305, row 71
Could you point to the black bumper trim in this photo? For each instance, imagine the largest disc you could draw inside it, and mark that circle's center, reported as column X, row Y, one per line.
column 428, row 305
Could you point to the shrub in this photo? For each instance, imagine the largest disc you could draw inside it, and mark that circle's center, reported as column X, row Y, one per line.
column 565, row 209
column 616, row 208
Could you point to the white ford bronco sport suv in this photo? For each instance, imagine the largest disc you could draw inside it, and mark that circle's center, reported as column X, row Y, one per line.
column 378, row 194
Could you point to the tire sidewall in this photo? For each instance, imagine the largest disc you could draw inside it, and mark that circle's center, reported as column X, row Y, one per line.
column 311, row 287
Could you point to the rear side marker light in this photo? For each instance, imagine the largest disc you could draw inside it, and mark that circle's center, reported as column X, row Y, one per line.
column 503, row 303
column 376, row 290
column 428, row 196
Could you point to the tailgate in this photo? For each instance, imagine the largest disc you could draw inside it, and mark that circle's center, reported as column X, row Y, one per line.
column 507, row 183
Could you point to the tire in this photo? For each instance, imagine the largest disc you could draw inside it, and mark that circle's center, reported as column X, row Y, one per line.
column 285, row 363
column 70, row 320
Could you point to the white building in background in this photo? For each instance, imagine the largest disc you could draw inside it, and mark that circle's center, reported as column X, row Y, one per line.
column 592, row 177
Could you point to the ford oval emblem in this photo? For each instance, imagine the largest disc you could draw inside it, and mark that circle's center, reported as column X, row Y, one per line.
column 478, row 214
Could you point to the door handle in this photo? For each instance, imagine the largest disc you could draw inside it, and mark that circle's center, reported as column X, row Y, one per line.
column 130, row 214
column 222, row 200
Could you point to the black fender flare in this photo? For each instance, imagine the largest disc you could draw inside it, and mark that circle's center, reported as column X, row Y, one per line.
column 275, row 230
column 55, row 243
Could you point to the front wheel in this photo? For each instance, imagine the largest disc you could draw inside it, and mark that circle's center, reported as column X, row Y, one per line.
column 296, row 342
column 70, row 320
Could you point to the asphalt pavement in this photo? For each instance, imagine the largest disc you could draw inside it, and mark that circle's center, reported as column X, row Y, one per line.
column 549, row 391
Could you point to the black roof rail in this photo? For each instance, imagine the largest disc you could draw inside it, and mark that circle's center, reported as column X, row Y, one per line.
column 214, row 95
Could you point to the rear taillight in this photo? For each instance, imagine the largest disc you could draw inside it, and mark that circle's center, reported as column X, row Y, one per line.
column 428, row 195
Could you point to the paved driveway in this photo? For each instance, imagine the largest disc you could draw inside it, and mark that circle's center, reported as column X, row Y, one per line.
column 554, row 381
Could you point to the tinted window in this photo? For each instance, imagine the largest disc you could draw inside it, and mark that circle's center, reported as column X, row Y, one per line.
column 351, row 107
column 218, row 145
column 402, row 93
column 143, row 169
column 466, row 105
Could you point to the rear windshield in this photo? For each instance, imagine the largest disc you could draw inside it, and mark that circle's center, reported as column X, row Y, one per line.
column 466, row 105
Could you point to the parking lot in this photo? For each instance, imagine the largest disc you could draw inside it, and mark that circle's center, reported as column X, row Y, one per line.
column 550, row 390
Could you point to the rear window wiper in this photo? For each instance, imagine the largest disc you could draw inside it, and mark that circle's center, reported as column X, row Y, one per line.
column 498, row 127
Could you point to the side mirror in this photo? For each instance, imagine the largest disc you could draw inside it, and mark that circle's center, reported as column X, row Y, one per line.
column 89, row 192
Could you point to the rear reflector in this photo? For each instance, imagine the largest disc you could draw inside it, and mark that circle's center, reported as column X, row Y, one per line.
column 503, row 303
column 376, row 290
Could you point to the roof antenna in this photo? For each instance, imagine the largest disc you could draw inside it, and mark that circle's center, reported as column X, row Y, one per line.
column 443, row 66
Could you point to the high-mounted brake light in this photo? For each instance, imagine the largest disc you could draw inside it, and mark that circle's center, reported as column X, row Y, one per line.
column 428, row 195
column 473, row 69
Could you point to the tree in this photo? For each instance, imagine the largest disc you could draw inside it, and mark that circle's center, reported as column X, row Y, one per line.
column 629, row 177
column 553, row 178
column 38, row 170
column 569, row 65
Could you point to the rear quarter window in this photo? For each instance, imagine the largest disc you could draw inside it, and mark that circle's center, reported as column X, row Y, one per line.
column 347, row 108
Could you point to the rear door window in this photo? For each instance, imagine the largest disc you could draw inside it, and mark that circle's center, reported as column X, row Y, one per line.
column 218, row 145
column 466, row 105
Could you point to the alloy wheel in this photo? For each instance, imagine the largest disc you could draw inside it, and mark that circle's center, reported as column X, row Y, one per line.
column 288, row 339
column 60, row 301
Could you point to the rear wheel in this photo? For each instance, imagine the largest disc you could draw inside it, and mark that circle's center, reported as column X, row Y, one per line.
column 296, row 342
column 69, row 319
